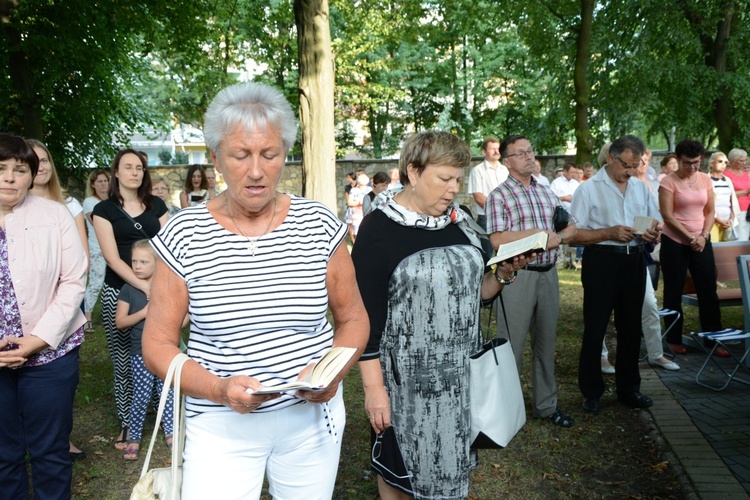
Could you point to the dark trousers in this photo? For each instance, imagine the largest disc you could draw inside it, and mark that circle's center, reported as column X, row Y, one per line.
column 486, row 245
column 611, row 282
column 676, row 259
column 36, row 417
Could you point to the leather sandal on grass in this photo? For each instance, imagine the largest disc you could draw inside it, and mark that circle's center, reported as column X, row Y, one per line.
column 131, row 450
column 122, row 441
column 559, row 418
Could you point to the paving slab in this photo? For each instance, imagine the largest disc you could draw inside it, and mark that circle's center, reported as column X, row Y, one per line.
column 708, row 431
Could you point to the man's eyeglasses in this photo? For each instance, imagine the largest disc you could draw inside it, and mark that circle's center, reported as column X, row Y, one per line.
column 625, row 165
column 695, row 164
column 521, row 153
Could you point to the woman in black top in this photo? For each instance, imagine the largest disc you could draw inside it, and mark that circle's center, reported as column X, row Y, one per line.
column 130, row 214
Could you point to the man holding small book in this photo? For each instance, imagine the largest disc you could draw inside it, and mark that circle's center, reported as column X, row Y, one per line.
column 614, row 270
column 518, row 208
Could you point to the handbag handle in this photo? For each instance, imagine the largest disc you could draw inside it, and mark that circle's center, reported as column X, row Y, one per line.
column 173, row 377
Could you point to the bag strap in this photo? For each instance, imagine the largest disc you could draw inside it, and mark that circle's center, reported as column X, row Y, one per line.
column 174, row 375
column 136, row 224
column 505, row 317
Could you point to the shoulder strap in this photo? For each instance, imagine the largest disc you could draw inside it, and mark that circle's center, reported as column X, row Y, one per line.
column 136, row 224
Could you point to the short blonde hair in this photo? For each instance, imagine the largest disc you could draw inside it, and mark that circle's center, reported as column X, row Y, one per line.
column 432, row 147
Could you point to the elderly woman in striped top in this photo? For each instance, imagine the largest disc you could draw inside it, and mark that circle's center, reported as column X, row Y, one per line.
column 257, row 271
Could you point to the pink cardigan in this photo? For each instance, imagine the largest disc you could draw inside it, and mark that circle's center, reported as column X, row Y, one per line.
column 48, row 268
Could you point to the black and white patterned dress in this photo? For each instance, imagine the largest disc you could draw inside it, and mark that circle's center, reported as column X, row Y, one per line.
column 422, row 292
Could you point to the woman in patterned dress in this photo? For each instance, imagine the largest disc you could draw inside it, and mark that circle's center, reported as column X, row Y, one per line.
column 421, row 273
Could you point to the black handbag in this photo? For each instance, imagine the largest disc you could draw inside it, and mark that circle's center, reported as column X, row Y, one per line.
column 561, row 218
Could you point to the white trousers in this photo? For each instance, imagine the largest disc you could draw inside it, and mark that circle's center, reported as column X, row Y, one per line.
column 650, row 323
column 228, row 454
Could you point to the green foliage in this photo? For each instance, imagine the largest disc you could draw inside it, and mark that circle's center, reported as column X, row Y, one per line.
column 180, row 158
column 165, row 156
column 75, row 77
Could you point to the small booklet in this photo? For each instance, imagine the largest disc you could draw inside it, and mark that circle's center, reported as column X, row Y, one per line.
column 525, row 246
column 320, row 377
column 641, row 224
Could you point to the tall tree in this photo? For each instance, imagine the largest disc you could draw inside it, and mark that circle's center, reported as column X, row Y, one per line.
column 316, row 100
column 75, row 79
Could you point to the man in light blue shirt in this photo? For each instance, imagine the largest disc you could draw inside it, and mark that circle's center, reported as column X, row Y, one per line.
column 614, row 269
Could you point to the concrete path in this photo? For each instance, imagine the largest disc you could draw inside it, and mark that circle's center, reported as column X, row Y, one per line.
column 708, row 431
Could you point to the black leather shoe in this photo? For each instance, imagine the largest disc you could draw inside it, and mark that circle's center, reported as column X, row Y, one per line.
column 591, row 406
column 636, row 400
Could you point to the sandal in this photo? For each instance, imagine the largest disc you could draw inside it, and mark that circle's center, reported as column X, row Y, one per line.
column 88, row 327
column 131, row 451
column 168, row 441
column 122, row 442
column 559, row 418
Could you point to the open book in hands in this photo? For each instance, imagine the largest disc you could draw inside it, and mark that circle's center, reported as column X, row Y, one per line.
column 641, row 224
column 525, row 246
column 320, row 377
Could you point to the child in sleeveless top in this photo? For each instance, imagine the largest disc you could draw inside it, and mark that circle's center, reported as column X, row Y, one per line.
column 132, row 306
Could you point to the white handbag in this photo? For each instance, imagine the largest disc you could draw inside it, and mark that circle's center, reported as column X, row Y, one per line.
column 165, row 483
column 496, row 396
column 497, row 408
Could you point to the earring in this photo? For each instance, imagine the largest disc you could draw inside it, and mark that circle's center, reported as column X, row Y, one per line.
column 413, row 190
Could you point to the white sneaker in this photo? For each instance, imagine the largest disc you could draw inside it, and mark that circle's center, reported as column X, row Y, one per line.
column 607, row 368
column 665, row 364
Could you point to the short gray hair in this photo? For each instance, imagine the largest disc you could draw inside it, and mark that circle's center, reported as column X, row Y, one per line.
column 736, row 154
column 603, row 157
column 252, row 105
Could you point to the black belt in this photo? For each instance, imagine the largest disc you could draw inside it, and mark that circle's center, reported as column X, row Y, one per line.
column 626, row 249
column 540, row 269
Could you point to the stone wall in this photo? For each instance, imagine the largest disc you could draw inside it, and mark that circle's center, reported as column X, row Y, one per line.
column 291, row 178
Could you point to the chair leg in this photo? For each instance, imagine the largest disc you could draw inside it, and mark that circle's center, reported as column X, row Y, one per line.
column 730, row 376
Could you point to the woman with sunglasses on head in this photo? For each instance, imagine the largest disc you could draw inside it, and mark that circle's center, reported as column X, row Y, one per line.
column 131, row 213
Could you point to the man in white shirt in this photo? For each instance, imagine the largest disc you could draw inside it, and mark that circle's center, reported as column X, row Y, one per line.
column 540, row 178
column 484, row 178
column 614, row 276
column 565, row 185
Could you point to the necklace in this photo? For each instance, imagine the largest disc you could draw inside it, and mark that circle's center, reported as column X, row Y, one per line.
column 695, row 179
column 252, row 240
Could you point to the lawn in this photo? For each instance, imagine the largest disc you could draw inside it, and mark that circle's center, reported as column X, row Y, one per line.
column 612, row 455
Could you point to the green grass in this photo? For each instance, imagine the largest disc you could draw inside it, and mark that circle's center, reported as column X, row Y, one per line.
column 612, row 455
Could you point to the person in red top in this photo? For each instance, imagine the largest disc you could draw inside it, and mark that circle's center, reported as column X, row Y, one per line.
column 737, row 172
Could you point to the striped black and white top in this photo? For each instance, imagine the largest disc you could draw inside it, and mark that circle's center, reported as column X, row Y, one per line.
column 262, row 316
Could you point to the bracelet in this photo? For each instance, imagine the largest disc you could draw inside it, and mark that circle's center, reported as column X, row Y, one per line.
column 505, row 281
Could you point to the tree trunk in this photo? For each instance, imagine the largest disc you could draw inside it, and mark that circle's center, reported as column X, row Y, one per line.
column 584, row 141
column 316, row 101
column 723, row 106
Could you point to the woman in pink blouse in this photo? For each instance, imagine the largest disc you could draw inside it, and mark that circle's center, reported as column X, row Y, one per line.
column 686, row 200
column 42, row 273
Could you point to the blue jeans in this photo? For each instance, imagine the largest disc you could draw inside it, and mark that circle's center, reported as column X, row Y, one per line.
column 36, row 417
